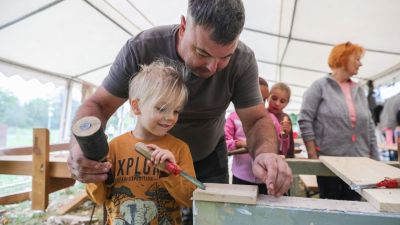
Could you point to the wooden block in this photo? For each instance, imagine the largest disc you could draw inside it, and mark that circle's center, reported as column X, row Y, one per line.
column 73, row 204
column 362, row 170
column 309, row 182
column 233, row 193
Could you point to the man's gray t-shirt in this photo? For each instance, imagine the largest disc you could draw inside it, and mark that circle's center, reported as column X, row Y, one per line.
column 201, row 123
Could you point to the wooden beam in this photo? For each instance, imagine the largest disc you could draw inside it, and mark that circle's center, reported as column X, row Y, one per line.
column 270, row 210
column 28, row 149
column 56, row 184
column 16, row 151
column 60, row 147
column 59, row 170
column 14, row 198
column 22, row 165
column 16, row 165
column 40, row 166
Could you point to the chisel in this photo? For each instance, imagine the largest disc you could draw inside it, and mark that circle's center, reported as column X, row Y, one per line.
column 238, row 151
column 168, row 166
column 386, row 183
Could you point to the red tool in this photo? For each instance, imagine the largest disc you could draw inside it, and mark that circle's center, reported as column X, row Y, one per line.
column 386, row 183
column 168, row 166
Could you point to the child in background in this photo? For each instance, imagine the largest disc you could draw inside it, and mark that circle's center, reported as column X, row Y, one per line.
column 278, row 99
column 141, row 192
column 235, row 138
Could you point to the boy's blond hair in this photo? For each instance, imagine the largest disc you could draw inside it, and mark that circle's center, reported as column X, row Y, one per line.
column 159, row 82
column 283, row 87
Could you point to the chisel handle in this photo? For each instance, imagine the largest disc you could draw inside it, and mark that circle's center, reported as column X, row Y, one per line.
column 389, row 183
column 164, row 166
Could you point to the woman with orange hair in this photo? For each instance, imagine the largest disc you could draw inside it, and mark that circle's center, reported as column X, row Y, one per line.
column 334, row 118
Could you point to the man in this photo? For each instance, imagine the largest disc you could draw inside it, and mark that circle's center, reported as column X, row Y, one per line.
column 218, row 69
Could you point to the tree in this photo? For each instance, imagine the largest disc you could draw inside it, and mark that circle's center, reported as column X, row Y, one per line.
column 10, row 109
column 36, row 113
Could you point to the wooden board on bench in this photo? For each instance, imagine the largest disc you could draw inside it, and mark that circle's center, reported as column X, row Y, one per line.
column 233, row 193
column 362, row 170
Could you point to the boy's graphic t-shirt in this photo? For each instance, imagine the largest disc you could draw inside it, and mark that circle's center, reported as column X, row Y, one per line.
column 142, row 194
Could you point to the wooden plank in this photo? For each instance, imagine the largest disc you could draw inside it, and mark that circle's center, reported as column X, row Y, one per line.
column 27, row 150
column 73, row 204
column 22, row 165
column 40, row 173
column 59, row 147
column 362, row 170
column 14, row 198
column 270, row 210
column 234, row 193
column 309, row 182
column 16, row 165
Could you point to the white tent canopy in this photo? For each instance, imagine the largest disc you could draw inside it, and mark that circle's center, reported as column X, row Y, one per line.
column 78, row 40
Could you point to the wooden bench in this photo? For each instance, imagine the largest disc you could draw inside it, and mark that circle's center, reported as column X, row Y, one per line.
column 49, row 172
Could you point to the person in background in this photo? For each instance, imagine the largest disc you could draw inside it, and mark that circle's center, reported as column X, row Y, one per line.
column 235, row 138
column 279, row 97
column 335, row 120
column 380, row 138
column 140, row 192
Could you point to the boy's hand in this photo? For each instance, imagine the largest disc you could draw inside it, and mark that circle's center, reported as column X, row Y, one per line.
column 160, row 155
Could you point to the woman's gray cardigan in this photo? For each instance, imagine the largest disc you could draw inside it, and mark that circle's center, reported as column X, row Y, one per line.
column 324, row 117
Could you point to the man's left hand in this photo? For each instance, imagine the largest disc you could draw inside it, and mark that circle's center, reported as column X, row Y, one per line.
column 274, row 171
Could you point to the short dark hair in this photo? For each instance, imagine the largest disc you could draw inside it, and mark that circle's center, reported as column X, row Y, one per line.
column 262, row 81
column 225, row 18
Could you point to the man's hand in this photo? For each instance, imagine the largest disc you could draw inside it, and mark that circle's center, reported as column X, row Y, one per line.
column 274, row 171
column 86, row 170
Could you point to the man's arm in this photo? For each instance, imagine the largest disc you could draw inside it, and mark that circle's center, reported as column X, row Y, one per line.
column 259, row 130
column 101, row 104
column 263, row 145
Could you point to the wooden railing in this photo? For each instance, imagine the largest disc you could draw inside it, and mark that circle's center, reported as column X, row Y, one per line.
column 49, row 172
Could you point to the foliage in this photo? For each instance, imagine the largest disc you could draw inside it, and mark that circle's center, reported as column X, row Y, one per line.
column 9, row 108
column 35, row 113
